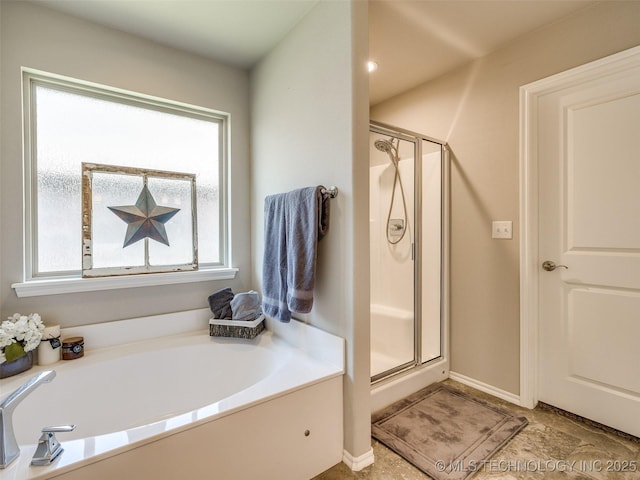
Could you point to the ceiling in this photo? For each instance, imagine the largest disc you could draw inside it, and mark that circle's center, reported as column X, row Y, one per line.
column 414, row 41
column 411, row 40
column 234, row 32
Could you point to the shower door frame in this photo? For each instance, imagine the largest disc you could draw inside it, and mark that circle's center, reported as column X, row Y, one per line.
column 417, row 139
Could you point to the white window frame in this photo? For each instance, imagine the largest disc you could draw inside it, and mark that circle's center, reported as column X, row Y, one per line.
column 35, row 285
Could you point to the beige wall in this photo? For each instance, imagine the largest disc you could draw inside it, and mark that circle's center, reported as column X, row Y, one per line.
column 309, row 126
column 40, row 38
column 475, row 109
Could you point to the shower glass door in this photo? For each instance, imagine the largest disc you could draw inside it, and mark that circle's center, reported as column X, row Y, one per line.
column 406, row 205
column 392, row 234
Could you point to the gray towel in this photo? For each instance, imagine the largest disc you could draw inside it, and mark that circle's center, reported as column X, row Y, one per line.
column 246, row 306
column 274, row 262
column 294, row 222
column 220, row 303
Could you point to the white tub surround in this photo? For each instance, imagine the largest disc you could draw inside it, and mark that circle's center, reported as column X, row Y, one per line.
column 184, row 404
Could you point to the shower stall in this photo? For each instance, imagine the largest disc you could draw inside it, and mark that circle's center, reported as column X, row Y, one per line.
column 408, row 207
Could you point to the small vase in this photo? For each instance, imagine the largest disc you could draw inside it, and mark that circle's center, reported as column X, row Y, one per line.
column 19, row 365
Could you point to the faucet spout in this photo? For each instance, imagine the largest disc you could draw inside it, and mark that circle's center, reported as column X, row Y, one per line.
column 9, row 449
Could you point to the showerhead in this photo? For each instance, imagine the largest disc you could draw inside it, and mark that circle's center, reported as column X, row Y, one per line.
column 384, row 145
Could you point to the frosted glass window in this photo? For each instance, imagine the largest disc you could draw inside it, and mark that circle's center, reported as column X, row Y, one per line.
column 71, row 124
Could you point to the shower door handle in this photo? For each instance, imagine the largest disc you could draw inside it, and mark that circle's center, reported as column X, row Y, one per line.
column 550, row 266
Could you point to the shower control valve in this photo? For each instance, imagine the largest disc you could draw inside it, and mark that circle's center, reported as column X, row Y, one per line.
column 396, row 226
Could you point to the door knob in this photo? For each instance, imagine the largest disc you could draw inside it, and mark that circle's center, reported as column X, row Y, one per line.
column 550, row 266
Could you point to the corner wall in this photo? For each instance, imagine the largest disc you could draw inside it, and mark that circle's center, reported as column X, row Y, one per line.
column 475, row 109
column 41, row 38
column 309, row 127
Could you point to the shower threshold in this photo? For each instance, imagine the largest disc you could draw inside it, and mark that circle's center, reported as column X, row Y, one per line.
column 393, row 386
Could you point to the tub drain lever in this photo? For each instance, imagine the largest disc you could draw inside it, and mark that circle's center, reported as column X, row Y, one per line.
column 48, row 446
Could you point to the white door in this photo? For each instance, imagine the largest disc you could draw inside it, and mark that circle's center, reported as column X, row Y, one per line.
column 588, row 153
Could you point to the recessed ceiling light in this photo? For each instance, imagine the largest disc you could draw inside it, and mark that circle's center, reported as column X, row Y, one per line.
column 372, row 66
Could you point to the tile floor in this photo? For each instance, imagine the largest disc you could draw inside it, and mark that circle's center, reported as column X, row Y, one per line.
column 551, row 446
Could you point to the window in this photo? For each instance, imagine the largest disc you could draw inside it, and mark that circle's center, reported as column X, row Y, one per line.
column 69, row 123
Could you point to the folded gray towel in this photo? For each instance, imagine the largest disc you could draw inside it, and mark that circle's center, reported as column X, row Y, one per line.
column 294, row 222
column 220, row 303
column 246, row 306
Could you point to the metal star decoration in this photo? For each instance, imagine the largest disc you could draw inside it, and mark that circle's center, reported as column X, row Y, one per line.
column 145, row 219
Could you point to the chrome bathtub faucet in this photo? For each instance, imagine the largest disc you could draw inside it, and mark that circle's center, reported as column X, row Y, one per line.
column 48, row 446
column 9, row 449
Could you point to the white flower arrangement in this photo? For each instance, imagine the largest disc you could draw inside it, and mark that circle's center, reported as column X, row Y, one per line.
column 19, row 334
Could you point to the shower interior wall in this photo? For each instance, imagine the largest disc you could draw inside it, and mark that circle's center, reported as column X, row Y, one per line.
column 391, row 269
column 391, row 261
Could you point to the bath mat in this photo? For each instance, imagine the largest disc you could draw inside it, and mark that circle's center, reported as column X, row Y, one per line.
column 445, row 433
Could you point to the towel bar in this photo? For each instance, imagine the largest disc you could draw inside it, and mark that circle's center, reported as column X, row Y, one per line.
column 331, row 192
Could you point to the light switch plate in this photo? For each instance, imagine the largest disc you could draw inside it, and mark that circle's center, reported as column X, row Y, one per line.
column 502, row 229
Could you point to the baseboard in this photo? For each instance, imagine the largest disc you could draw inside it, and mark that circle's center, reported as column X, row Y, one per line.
column 358, row 463
column 486, row 388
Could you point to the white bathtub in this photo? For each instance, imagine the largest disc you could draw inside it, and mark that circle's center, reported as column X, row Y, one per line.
column 187, row 405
